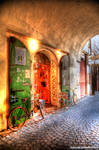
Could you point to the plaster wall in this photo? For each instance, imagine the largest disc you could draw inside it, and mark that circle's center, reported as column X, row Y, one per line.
column 63, row 24
column 3, row 79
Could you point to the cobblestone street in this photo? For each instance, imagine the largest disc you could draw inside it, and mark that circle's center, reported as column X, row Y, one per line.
column 76, row 127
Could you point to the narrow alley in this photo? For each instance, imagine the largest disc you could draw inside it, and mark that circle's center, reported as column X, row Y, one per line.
column 76, row 127
column 49, row 59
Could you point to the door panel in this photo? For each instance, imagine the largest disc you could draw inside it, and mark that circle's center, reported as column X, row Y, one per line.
column 82, row 78
column 19, row 73
column 42, row 82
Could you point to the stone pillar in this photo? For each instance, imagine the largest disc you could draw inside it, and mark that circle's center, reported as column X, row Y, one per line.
column 3, row 79
column 74, row 75
column 54, row 83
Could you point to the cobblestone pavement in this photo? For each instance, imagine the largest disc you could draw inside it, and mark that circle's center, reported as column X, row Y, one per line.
column 76, row 127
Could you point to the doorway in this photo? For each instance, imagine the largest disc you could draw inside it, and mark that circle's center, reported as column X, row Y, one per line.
column 42, row 77
column 19, row 73
column 83, row 89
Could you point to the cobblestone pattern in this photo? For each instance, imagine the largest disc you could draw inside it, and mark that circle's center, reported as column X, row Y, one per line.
column 77, row 126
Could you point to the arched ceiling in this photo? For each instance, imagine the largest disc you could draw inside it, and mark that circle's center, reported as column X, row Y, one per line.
column 62, row 24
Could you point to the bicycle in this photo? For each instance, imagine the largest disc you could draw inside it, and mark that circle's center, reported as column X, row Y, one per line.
column 18, row 115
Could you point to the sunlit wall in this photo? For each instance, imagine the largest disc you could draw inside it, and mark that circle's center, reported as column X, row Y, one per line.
column 3, row 81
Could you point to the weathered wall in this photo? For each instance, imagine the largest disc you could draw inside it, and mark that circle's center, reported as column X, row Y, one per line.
column 3, row 79
column 74, row 72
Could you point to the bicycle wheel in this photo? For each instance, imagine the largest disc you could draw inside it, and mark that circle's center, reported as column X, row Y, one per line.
column 17, row 118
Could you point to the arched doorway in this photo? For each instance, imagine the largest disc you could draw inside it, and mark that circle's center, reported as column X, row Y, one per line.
column 19, row 73
column 42, row 77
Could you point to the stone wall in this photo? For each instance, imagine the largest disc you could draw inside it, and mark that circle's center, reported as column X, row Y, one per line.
column 74, row 70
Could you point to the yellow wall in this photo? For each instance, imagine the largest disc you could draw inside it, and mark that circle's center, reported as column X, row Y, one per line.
column 3, row 80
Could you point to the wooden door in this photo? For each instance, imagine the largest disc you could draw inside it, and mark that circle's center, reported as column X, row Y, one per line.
column 83, row 90
column 42, row 82
column 19, row 73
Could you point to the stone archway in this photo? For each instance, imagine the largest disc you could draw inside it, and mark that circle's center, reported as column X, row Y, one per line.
column 53, row 74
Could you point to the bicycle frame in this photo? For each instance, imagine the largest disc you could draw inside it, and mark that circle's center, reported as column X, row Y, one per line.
column 19, row 114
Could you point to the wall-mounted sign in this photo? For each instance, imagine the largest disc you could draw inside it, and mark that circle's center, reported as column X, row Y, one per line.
column 20, row 56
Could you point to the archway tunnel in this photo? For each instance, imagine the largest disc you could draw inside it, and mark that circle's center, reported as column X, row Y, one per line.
column 62, row 28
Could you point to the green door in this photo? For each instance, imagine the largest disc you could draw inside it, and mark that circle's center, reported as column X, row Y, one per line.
column 19, row 73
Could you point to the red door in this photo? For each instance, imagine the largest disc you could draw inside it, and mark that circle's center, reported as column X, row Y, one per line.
column 83, row 90
column 42, row 82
